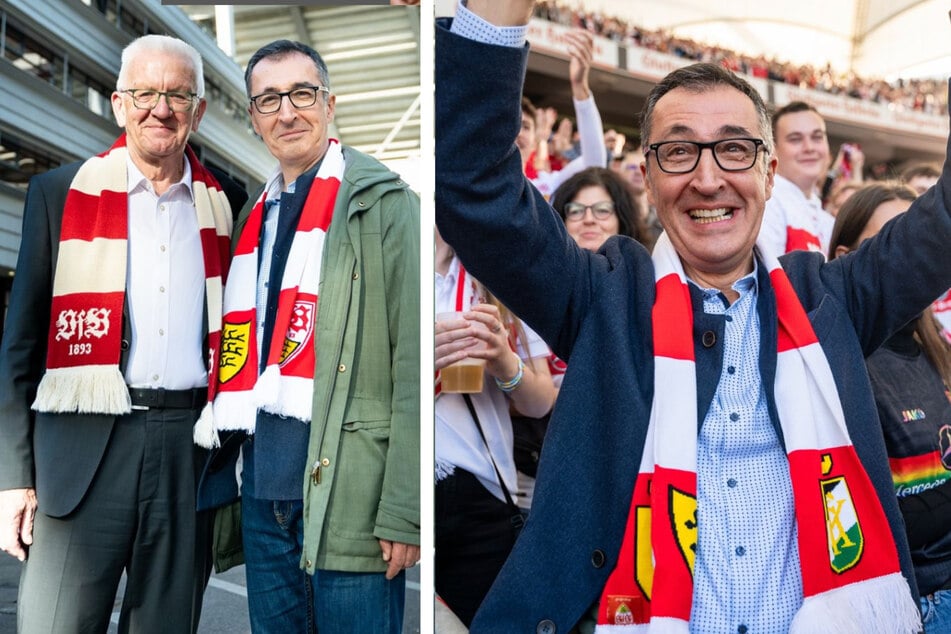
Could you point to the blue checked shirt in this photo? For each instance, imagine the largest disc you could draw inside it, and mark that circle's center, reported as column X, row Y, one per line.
column 746, row 574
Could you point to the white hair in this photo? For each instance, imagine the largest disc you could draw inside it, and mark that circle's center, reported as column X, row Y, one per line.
column 161, row 44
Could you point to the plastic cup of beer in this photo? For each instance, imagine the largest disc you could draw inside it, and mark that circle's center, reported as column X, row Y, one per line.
column 466, row 376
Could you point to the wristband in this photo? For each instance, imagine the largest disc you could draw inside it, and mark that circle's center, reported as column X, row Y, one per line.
column 515, row 381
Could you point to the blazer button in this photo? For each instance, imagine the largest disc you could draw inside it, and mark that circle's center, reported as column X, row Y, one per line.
column 545, row 627
column 709, row 339
column 124, row 344
column 597, row 558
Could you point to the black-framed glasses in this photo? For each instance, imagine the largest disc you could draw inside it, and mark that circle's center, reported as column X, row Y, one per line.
column 147, row 98
column 302, row 97
column 732, row 155
column 601, row 210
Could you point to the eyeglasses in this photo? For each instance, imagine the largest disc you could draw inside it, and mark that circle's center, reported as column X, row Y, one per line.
column 303, row 97
column 147, row 99
column 681, row 157
column 600, row 210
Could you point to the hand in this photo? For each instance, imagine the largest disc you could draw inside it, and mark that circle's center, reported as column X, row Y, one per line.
column 544, row 122
column 452, row 337
column 398, row 556
column 858, row 162
column 500, row 361
column 503, row 12
column 17, row 508
column 580, row 46
column 561, row 139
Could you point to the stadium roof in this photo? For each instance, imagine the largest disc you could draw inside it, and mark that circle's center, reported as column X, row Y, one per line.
column 873, row 38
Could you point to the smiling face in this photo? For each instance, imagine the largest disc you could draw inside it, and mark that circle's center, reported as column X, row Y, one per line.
column 296, row 137
column 157, row 137
column 711, row 216
column 590, row 232
column 802, row 149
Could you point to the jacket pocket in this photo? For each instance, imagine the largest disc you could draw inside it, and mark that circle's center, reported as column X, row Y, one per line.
column 359, row 481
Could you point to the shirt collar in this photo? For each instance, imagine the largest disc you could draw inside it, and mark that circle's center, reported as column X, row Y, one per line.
column 137, row 181
column 745, row 283
column 452, row 274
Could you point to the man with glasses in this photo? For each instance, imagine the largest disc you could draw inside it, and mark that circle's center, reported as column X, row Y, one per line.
column 326, row 387
column 113, row 320
column 713, row 463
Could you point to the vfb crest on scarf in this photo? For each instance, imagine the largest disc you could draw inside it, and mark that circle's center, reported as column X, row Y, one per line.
column 842, row 523
column 76, row 325
column 300, row 327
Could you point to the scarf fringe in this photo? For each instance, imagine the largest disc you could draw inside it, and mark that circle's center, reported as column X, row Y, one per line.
column 882, row 605
column 98, row 389
column 204, row 434
column 234, row 411
column 267, row 389
column 295, row 398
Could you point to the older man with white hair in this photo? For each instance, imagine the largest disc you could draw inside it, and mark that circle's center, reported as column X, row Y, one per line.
column 114, row 319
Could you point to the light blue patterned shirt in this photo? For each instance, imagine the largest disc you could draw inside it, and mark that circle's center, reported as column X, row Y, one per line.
column 746, row 572
column 747, row 578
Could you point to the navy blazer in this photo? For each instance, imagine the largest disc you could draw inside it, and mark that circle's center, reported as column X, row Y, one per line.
column 594, row 310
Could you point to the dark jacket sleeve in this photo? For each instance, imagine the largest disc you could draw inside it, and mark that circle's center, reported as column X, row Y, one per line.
column 500, row 226
column 26, row 329
column 237, row 196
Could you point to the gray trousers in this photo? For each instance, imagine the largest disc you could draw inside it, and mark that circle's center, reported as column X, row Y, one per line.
column 138, row 517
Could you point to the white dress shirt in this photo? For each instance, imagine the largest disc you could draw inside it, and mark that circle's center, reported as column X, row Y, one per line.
column 165, row 286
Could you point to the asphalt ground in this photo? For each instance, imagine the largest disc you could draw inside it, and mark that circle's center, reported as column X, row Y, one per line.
column 225, row 607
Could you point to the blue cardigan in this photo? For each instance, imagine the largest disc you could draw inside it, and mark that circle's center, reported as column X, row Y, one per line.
column 594, row 310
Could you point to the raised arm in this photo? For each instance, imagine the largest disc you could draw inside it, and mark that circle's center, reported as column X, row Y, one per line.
column 581, row 49
column 501, row 228
column 503, row 13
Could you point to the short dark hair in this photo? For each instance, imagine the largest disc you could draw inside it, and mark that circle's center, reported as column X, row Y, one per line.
column 528, row 108
column 283, row 48
column 698, row 78
column 855, row 213
column 927, row 170
column 626, row 208
column 790, row 108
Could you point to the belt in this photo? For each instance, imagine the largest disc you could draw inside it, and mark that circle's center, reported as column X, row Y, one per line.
column 144, row 398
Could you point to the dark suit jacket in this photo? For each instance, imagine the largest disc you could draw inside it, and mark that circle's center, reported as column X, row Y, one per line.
column 594, row 309
column 58, row 454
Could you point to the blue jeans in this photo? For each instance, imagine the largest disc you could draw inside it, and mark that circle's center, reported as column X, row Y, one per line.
column 283, row 598
column 936, row 612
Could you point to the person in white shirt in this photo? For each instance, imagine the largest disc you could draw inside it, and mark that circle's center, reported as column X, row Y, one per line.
column 590, row 129
column 112, row 330
column 477, row 517
column 794, row 217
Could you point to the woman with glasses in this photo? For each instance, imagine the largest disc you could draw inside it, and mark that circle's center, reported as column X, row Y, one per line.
column 596, row 204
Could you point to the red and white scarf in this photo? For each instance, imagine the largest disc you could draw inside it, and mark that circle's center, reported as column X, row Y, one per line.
column 286, row 387
column 850, row 571
column 82, row 362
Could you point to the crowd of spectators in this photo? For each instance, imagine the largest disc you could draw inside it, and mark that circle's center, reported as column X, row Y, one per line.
column 921, row 95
